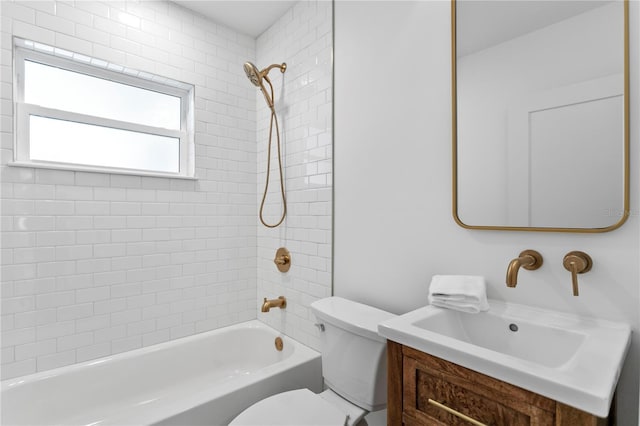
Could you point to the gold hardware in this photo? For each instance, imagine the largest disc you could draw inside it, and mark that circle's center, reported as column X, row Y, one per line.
column 282, row 67
column 256, row 77
column 528, row 259
column 282, row 259
column 455, row 413
column 626, row 210
column 279, row 344
column 577, row 262
column 280, row 302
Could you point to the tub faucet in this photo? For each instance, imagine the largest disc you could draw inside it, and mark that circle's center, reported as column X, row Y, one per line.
column 280, row 302
column 528, row 259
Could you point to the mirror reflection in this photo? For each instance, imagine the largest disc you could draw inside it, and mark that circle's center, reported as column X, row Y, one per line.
column 540, row 114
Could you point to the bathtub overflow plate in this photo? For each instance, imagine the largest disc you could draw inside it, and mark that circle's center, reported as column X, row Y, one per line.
column 279, row 344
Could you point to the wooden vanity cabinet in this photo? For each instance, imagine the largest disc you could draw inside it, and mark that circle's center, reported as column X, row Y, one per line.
column 426, row 390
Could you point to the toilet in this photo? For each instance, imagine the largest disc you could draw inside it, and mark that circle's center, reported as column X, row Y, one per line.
column 354, row 367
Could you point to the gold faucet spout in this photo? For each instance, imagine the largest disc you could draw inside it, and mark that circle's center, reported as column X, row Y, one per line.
column 514, row 267
column 528, row 259
column 280, row 302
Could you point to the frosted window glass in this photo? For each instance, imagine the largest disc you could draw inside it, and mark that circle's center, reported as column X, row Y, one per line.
column 77, row 143
column 65, row 90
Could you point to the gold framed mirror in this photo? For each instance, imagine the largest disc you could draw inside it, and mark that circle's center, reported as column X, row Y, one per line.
column 540, row 104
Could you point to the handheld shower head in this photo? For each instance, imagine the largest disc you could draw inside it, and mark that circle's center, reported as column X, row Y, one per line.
column 256, row 78
column 253, row 74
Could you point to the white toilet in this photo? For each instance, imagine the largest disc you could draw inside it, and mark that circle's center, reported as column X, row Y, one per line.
column 354, row 367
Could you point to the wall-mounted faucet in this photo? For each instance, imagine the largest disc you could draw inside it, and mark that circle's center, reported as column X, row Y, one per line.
column 577, row 262
column 528, row 259
column 280, row 302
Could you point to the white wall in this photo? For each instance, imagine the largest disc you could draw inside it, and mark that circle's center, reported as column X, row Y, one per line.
column 393, row 227
column 303, row 39
column 94, row 264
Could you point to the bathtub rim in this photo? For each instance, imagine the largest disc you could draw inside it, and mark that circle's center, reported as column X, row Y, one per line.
column 301, row 354
column 252, row 324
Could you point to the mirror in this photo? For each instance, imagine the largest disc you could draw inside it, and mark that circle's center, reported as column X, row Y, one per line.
column 540, row 115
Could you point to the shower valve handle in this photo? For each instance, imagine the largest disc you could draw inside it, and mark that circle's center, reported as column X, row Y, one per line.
column 282, row 259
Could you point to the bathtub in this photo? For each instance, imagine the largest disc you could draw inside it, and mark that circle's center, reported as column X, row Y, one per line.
column 206, row 379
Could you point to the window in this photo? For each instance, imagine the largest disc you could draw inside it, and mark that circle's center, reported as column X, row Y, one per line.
column 77, row 112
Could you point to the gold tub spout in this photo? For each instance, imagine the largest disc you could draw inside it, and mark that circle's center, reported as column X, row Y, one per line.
column 528, row 259
column 280, row 302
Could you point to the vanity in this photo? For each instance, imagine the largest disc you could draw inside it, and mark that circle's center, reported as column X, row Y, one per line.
column 427, row 390
column 512, row 365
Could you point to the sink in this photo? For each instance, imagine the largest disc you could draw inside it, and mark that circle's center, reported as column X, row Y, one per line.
column 571, row 359
column 548, row 346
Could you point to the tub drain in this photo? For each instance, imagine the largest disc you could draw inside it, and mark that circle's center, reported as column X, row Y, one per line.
column 279, row 344
column 513, row 327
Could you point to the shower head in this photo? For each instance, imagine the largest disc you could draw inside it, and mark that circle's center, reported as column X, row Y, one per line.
column 253, row 74
column 256, row 78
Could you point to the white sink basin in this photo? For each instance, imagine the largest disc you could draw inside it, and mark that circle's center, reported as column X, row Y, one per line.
column 568, row 358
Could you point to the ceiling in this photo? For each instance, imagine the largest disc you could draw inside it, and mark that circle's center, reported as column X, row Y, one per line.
column 480, row 23
column 249, row 17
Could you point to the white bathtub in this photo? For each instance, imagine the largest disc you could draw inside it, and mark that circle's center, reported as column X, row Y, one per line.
column 204, row 379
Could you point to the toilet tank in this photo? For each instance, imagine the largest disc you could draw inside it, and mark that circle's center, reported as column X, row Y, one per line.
column 354, row 356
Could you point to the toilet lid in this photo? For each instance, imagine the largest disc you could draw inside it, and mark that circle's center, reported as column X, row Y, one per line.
column 294, row 408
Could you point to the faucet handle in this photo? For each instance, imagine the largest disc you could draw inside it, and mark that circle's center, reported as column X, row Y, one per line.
column 282, row 259
column 577, row 262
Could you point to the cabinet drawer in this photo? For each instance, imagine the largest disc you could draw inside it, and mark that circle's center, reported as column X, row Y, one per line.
column 433, row 396
column 438, row 397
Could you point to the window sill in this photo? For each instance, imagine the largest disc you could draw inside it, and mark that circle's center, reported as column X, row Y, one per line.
column 102, row 170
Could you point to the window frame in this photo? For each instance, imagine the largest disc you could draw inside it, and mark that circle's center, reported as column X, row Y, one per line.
column 83, row 64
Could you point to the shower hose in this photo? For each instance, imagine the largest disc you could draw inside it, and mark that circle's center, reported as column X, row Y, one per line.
column 274, row 119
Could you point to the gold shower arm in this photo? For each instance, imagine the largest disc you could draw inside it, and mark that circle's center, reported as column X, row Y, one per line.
column 283, row 68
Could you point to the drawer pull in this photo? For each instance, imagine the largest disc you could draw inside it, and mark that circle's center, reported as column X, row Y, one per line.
column 455, row 413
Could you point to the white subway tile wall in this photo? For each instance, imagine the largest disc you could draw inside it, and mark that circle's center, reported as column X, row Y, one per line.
column 303, row 39
column 96, row 264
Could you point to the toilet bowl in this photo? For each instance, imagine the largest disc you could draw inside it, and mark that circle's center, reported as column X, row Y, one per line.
column 301, row 407
column 354, row 368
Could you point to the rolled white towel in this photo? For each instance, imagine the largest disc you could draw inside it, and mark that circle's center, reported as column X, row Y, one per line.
column 467, row 293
